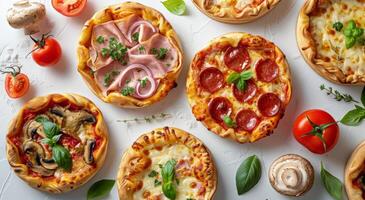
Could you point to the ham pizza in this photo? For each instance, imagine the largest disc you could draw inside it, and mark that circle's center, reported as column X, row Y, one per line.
column 330, row 36
column 57, row 143
column 239, row 86
column 235, row 11
column 129, row 55
column 355, row 174
column 167, row 163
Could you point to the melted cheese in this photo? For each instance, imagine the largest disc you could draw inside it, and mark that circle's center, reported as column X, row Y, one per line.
column 331, row 44
column 160, row 157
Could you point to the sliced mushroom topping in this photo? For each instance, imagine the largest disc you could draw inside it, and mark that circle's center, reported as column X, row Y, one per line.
column 33, row 127
column 36, row 154
column 88, row 151
column 291, row 175
column 48, row 164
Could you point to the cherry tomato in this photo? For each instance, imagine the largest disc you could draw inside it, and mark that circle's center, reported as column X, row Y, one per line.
column 316, row 130
column 47, row 51
column 16, row 83
column 69, row 8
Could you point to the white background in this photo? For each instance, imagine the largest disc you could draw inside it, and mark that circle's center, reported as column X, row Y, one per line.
column 194, row 30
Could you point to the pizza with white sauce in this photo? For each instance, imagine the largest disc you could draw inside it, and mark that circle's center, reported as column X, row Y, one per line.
column 235, row 11
column 330, row 36
column 167, row 163
column 239, row 86
column 129, row 55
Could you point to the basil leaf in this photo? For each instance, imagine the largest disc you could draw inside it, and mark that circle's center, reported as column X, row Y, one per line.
column 56, row 138
column 62, row 157
column 353, row 117
column 47, row 141
column 241, row 84
column 233, row 77
column 50, row 129
column 99, row 189
column 169, row 190
column 332, row 184
column 168, row 171
column 228, row 121
column 41, row 119
column 176, row 7
column 363, row 96
column 246, row 75
column 248, row 174
column 337, row 26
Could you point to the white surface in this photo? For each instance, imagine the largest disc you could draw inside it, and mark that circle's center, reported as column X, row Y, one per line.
column 195, row 30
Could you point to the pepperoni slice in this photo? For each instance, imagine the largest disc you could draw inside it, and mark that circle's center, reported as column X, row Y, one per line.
column 266, row 70
column 211, row 79
column 237, row 58
column 269, row 104
column 247, row 94
column 219, row 107
column 247, row 120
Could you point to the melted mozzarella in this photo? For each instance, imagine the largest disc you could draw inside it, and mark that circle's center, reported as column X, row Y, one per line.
column 160, row 157
column 331, row 44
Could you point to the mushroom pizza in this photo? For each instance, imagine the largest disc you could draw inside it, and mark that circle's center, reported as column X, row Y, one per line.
column 57, row 142
column 239, row 86
column 129, row 55
column 167, row 163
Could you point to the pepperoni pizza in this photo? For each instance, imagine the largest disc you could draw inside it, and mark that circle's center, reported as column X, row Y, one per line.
column 239, row 86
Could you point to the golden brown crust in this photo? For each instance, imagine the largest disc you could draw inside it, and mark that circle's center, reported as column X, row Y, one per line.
column 134, row 161
column 233, row 15
column 118, row 12
column 199, row 104
column 64, row 181
column 354, row 167
column 308, row 49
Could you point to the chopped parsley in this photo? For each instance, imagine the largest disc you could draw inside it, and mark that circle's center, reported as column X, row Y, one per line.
column 337, row 26
column 109, row 77
column 143, row 82
column 153, row 173
column 157, row 182
column 127, row 91
column 100, row 39
column 159, row 53
column 135, row 36
column 116, row 50
column 190, row 199
column 141, row 49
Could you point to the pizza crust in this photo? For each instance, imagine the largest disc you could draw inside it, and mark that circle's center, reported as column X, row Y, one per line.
column 134, row 161
column 308, row 49
column 354, row 166
column 67, row 181
column 199, row 107
column 118, row 12
column 229, row 15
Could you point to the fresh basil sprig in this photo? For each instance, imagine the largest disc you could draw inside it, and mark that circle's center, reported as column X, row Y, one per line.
column 176, row 7
column 59, row 153
column 332, row 184
column 239, row 79
column 229, row 122
column 248, row 174
column 168, row 178
column 355, row 116
column 100, row 189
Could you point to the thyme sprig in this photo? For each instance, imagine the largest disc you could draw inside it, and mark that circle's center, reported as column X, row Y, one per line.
column 338, row 95
column 147, row 119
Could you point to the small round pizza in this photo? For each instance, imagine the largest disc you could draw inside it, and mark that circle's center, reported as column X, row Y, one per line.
column 355, row 174
column 167, row 163
column 330, row 36
column 129, row 55
column 235, row 11
column 57, row 143
column 239, row 86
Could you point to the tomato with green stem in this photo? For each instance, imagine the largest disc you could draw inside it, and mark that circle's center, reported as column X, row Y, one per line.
column 316, row 130
column 47, row 51
column 16, row 83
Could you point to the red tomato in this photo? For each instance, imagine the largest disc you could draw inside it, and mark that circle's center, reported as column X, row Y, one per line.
column 316, row 130
column 69, row 8
column 16, row 83
column 47, row 51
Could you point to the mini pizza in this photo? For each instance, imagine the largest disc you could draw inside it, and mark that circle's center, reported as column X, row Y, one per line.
column 355, row 174
column 239, row 86
column 167, row 163
column 235, row 11
column 330, row 36
column 129, row 55
column 58, row 142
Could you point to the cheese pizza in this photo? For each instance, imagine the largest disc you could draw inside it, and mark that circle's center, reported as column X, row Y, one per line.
column 129, row 55
column 167, row 163
column 330, row 36
column 57, row 142
column 235, row 11
column 239, row 86
column 355, row 174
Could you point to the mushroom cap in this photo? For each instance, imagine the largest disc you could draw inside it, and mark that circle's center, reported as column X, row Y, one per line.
column 291, row 175
column 25, row 13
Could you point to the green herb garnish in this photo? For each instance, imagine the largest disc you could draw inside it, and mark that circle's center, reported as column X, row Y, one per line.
column 159, row 53
column 356, row 116
column 229, row 122
column 338, row 95
column 135, row 36
column 116, row 50
column 352, row 34
column 157, row 183
column 332, row 184
column 109, row 77
column 143, row 82
column 127, row 91
column 100, row 189
column 153, row 173
column 337, row 26
column 176, row 7
column 168, row 178
column 239, row 79
column 141, row 49
column 100, row 39
column 248, row 174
